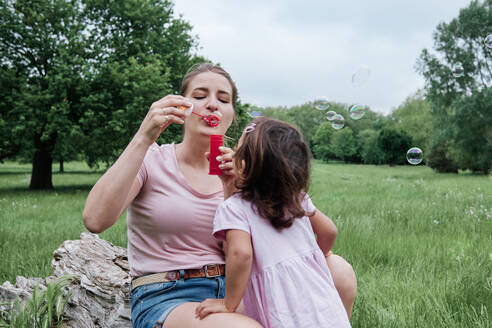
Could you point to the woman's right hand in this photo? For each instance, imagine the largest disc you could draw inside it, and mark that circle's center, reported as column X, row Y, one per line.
column 229, row 174
column 160, row 115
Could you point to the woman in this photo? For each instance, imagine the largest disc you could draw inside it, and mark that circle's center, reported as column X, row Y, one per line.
column 171, row 202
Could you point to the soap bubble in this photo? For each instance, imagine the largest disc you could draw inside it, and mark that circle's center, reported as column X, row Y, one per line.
column 357, row 111
column 458, row 70
column 330, row 115
column 255, row 114
column 361, row 75
column 488, row 41
column 338, row 122
column 415, row 155
column 321, row 103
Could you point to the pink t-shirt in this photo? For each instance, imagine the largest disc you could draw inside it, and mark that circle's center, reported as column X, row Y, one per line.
column 169, row 223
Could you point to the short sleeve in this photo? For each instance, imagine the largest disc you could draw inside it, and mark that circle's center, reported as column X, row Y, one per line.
column 230, row 215
column 308, row 206
column 142, row 172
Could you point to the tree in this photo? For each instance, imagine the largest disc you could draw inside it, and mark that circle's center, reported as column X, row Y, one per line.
column 454, row 97
column 306, row 117
column 473, row 149
column 369, row 148
column 438, row 156
column 322, row 142
column 414, row 118
column 394, row 145
column 343, row 144
column 142, row 55
column 66, row 65
column 42, row 43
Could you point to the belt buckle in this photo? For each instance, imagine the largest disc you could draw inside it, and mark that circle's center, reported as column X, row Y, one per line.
column 206, row 270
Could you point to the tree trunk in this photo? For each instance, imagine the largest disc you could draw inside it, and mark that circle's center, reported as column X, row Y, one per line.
column 41, row 171
column 42, row 164
column 61, row 166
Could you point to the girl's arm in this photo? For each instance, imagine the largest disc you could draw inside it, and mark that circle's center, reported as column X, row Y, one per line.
column 325, row 229
column 238, row 266
column 239, row 260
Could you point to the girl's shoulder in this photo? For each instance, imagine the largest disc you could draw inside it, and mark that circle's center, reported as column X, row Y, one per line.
column 234, row 201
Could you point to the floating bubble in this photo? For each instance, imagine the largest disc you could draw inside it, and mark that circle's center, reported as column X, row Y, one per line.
column 357, row 111
column 488, row 41
column 458, row 70
column 321, row 103
column 361, row 75
column 255, row 114
column 338, row 122
column 415, row 155
column 330, row 115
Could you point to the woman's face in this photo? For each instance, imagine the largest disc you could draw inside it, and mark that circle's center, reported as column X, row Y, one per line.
column 211, row 94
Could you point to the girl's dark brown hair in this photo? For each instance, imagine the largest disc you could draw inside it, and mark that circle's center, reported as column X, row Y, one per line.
column 207, row 67
column 274, row 165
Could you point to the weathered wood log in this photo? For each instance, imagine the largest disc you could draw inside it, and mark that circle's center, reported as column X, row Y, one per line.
column 100, row 295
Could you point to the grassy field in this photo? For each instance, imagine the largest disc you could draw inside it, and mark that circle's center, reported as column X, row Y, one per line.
column 420, row 242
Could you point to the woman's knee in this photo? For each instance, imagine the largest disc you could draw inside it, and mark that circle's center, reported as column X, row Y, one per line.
column 183, row 316
column 343, row 275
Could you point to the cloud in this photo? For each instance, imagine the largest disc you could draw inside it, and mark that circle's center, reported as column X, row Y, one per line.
column 289, row 52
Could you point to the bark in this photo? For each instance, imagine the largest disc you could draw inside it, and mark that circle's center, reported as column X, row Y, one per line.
column 42, row 162
column 41, row 171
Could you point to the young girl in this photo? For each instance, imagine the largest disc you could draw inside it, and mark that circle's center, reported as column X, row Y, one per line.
column 272, row 256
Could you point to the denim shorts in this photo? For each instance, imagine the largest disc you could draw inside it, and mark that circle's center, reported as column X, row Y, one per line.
column 152, row 303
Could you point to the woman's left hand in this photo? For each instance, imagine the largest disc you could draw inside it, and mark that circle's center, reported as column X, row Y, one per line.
column 209, row 306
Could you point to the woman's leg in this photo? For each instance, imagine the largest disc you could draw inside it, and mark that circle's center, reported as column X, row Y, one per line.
column 344, row 279
column 183, row 316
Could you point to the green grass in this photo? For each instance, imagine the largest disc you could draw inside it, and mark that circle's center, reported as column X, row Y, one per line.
column 420, row 242
column 33, row 224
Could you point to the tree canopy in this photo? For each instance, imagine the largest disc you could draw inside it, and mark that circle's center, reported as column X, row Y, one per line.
column 458, row 79
column 78, row 76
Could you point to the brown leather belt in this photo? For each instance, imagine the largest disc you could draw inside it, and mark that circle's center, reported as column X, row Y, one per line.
column 208, row 271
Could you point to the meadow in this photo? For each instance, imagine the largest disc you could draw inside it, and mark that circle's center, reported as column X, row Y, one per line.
column 420, row 242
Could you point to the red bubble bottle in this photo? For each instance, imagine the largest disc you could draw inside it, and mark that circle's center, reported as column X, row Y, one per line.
column 215, row 142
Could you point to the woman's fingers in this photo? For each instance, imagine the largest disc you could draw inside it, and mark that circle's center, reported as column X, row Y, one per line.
column 227, row 154
column 226, row 165
column 177, row 102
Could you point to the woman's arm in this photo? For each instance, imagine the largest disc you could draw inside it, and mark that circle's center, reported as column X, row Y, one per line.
column 325, row 230
column 117, row 188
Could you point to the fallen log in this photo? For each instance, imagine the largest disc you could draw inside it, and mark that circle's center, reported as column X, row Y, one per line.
column 100, row 293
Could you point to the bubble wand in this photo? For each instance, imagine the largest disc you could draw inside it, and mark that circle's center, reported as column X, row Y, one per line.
column 216, row 140
column 212, row 120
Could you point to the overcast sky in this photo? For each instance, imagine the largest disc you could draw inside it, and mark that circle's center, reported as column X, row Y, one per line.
column 285, row 53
